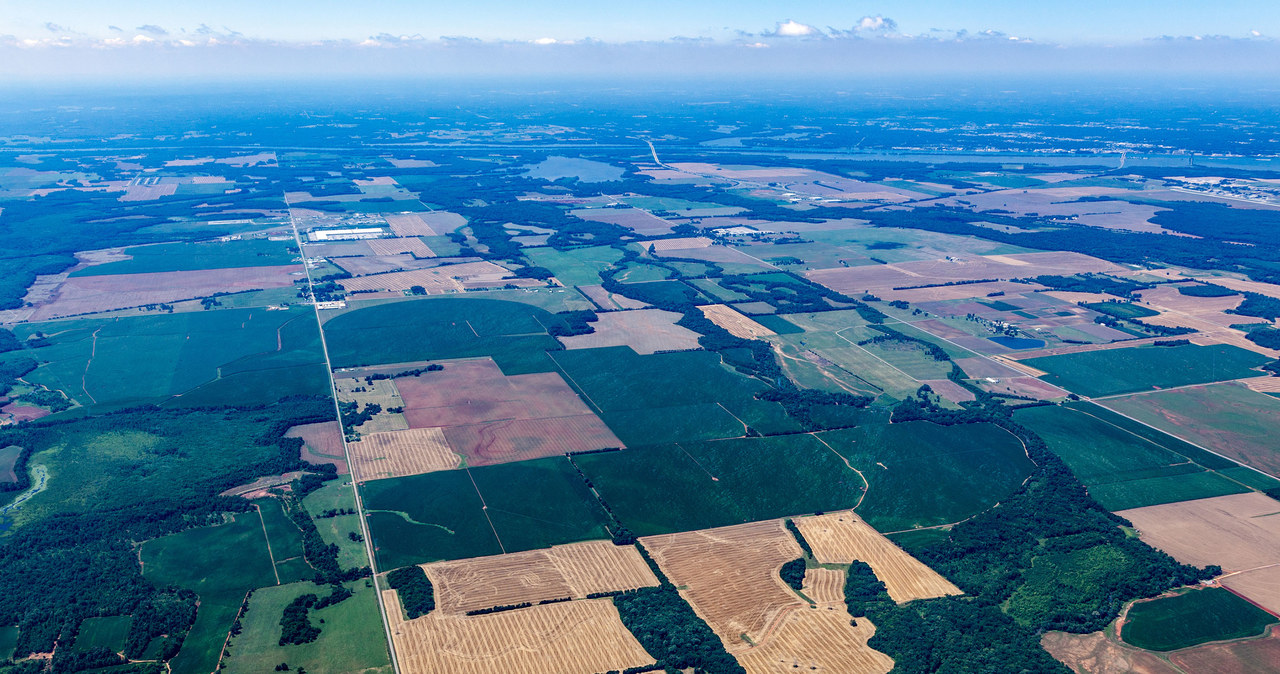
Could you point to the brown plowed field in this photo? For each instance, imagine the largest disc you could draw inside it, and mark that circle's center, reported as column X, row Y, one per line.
column 492, row 418
column 578, row 637
column 730, row 577
column 639, row 221
column 436, row 280
column 322, row 443
column 408, row 244
column 1096, row 654
column 1237, row 532
column 824, row 586
column 818, row 640
column 644, row 330
column 680, row 244
column 609, row 301
column 840, row 538
column 400, row 453
column 1239, row 657
column 737, row 324
column 381, row 264
column 883, row 278
column 87, row 294
column 1260, row 586
column 575, row 570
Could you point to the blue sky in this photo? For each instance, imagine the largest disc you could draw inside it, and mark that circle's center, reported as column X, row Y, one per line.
column 1080, row 21
column 143, row 39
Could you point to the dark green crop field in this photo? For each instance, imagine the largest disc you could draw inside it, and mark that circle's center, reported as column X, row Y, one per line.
column 1125, row 464
column 670, row 397
column 1112, row 371
column 507, row 508
column 697, row 485
column 1191, row 618
column 513, row 333
column 194, row 256
column 923, row 474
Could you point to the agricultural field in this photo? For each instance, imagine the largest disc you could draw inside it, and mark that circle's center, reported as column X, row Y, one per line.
column 488, row 417
column 512, row 333
column 401, row 453
column 1126, row 467
column 1115, row 371
column 669, row 397
column 196, row 256
column 840, row 538
column 575, row 570
column 576, row 637
column 1193, row 618
column 338, row 495
column 351, row 636
column 644, row 330
column 164, row 358
column 1226, row 418
column 480, row 511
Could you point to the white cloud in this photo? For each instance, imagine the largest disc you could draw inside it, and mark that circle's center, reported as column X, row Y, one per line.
column 876, row 24
column 790, row 28
column 545, row 40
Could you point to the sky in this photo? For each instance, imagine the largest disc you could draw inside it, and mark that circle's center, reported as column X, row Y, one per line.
column 139, row 38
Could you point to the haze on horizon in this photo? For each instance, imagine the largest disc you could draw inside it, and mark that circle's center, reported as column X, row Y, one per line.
column 135, row 40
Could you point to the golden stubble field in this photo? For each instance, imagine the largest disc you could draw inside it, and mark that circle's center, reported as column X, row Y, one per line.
column 841, row 537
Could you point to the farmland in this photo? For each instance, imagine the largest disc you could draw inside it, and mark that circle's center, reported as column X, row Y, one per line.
column 840, row 538
column 1193, row 618
column 1114, row 371
column 578, row 637
column 1226, row 418
column 513, row 334
column 575, row 570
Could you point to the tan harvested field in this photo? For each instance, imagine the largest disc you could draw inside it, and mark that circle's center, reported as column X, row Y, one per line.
column 730, row 577
column 883, row 278
column 436, row 280
column 322, row 443
column 1263, row 384
column 818, row 639
column 1096, row 654
column 960, row 292
column 841, row 537
column 1268, row 289
column 408, row 244
column 1237, row 532
column 492, row 418
column 985, row 367
column 1253, row 656
column 380, row 264
column 949, row 390
column 577, row 637
column 824, row 586
column 89, row 294
column 1025, row 386
column 1260, row 586
column 738, row 325
column 720, row 254
column 640, row 221
column 662, row 245
column 644, row 330
column 575, row 570
column 1064, row 202
column 609, row 301
column 399, row 453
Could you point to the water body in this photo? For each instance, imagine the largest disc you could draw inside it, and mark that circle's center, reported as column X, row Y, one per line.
column 39, row 480
column 1018, row 342
column 586, row 170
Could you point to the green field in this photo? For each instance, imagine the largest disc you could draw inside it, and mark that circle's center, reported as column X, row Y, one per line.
column 193, row 256
column 1126, row 465
column 1142, row 368
column 110, row 632
column 1121, row 309
column 480, row 511
column 148, row 359
column 847, row 367
column 220, row 564
column 576, row 267
column 103, row 463
column 513, row 333
column 778, row 324
column 1227, row 418
column 669, row 397
column 351, row 636
column 715, row 291
column 922, row 474
column 335, row 495
column 1191, row 618
column 697, row 485
column 285, row 540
